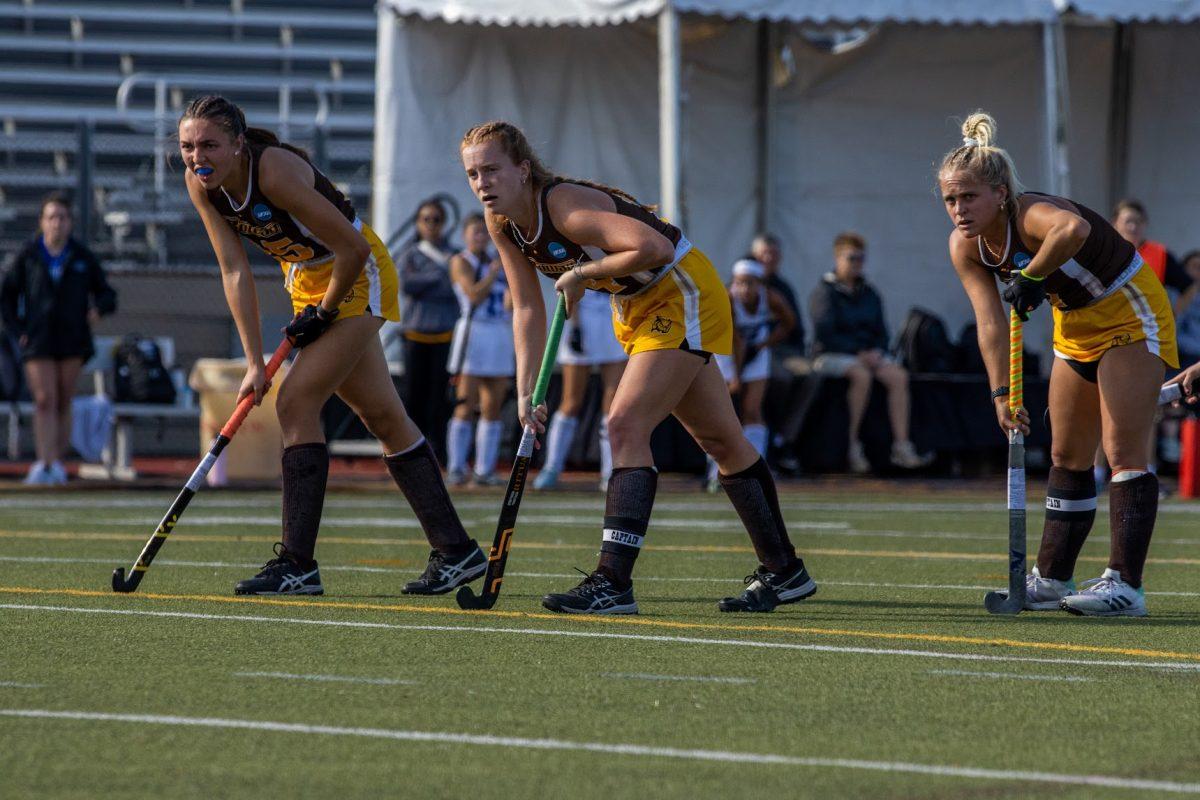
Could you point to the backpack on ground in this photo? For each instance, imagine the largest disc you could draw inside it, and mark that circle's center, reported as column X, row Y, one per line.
column 923, row 345
column 138, row 372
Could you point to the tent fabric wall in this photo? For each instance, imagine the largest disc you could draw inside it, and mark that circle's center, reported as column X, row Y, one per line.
column 1164, row 171
column 587, row 98
column 858, row 138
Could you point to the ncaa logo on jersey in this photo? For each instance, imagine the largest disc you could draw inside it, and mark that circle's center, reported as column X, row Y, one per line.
column 557, row 250
column 1021, row 260
column 261, row 212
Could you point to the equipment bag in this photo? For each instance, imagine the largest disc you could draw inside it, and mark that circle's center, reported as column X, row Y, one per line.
column 923, row 345
column 138, row 372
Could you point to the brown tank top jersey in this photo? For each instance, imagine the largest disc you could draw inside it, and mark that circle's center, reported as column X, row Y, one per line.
column 1104, row 264
column 276, row 232
column 551, row 253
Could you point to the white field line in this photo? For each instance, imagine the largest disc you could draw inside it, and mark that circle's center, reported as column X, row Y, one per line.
column 168, row 562
column 646, row 676
column 637, row 637
column 1013, row 675
column 619, row 749
column 15, row 685
column 387, row 502
column 326, row 678
column 696, row 524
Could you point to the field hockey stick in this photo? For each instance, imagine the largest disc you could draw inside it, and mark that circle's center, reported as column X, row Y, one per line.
column 516, row 480
column 119, row 582
column 1014, row 600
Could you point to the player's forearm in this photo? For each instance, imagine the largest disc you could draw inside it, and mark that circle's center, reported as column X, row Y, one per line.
column 1061, row 244
column 346, row 269
column 993, row 346
column 529, row 338
column 242, row 298
column 618, row 265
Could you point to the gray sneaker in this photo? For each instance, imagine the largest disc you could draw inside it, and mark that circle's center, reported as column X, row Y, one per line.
column 1045, row 594
column 1107, row 596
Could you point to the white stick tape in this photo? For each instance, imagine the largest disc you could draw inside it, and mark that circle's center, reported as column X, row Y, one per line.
column 198, row 476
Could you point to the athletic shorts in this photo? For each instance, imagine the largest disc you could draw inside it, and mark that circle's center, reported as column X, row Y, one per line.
column 1139, row 311
column 836, row 365
column 376, row 292
column 688, row 309
column 759, row 368
column 484, row 349
column 588, row 338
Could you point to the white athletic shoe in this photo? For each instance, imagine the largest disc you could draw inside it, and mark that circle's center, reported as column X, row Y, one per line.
column 1107, row 596
column 546, row 479
column 905, row 456
column 1045, row 594
column 857, row 459
column 58, row 474
column 456, row 477
column 38, row 475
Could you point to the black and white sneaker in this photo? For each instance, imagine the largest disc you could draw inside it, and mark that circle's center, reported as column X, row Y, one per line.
column 282, row 575
column 444, row 572
column 595, row 594
column 766, row 590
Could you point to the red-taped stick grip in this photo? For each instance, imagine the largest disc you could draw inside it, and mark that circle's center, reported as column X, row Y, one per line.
column 247, row 403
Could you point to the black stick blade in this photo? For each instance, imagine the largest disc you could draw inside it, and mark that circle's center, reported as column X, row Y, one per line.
column 1001, row 603
column 467, row 599
column 119, row 584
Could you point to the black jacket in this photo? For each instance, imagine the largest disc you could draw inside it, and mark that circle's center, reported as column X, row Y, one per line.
column 846, row 320
column 795, row 339
column 53, row 316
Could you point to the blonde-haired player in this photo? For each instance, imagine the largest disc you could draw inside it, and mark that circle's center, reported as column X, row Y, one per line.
column 671, row 313
column 1113, row 333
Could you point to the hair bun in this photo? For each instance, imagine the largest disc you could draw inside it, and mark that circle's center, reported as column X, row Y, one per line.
column 979, row 129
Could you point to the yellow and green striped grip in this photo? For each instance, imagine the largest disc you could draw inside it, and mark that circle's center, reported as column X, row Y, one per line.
column 1016, row 365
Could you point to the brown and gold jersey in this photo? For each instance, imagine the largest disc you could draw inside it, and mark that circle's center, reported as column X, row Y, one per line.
column 552, row 253
column 271, row 228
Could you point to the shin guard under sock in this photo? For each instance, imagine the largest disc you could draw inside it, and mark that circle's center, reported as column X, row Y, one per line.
column 305, row 472
column 419, row 477
column 1133, row 505
column 487, row 445
column 458, row 444
column 757, row 436
column 626, row 517
column 558, row 440
column 1070, row 512
column 752, row 492
column 606, row 466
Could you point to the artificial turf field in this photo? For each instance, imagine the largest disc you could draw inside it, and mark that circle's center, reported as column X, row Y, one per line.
column 892, row 681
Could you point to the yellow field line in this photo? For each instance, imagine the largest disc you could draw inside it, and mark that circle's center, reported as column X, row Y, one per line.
column 621, row 621
column 528, row 545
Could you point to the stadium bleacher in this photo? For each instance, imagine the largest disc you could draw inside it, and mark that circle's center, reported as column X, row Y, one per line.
column 301, row 67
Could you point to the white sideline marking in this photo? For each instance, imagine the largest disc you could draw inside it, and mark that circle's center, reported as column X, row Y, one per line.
column 168, row 562
column 1015, row 675
column 326, row 678
column 646, row 676
column 15, row 685
column 639, row 637
column 518, row 742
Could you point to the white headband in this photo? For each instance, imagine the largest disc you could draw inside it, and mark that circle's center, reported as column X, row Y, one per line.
column 970, row 142
column 750, row 268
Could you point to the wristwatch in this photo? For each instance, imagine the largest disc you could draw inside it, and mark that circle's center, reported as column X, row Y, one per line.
column 999, row 391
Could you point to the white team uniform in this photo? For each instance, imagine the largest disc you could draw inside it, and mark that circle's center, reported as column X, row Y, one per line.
column 590, row 329
column 754, row 328
column 483, row 337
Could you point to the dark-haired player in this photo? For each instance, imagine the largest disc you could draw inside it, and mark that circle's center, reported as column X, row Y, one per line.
column 245, row 182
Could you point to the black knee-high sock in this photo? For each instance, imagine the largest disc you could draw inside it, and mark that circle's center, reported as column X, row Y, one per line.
column 419, row 477
column 305, row 471
column 626, row 517
column 1070, row 512
column 1132, row 507
column 752, row 492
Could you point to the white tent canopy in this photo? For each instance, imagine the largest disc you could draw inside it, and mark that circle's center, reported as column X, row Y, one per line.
column 849, row 137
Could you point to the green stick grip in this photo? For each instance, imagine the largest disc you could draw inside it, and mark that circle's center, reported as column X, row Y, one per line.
column 556, row 327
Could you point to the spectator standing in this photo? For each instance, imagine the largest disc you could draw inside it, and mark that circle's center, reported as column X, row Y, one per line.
column 53, row 291
column 430, row 311
column 482, row 356
column 850, row 340
column 1131, row 220
column 761, row 320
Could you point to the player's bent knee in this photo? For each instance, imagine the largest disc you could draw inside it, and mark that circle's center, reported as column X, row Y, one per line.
column 625, row 428
column 1067, row 459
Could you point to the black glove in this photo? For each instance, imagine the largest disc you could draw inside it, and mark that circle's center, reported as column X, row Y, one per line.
column 307, row 326
column 1025, row 293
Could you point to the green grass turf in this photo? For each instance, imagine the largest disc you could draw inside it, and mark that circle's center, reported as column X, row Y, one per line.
column 1109, row 720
